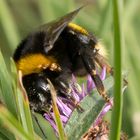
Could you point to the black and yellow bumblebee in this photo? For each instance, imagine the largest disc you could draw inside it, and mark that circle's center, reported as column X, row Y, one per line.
column 55, row 51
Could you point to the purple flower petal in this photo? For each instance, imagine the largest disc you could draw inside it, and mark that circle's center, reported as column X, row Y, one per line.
column 106, row 108
column 75, row 95
column 74, row 80
column 103, row 73
column 90, row 84
column 67, row 102
column 51, row 121
column 83, row 94
column 66, row 105
column 64, row 108
column 63, row 118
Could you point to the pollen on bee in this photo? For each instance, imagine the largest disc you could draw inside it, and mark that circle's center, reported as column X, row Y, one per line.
column 55, row 67
column 94, row 72
column 34, row 63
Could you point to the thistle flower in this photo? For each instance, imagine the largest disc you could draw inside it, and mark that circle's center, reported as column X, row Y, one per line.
column 66, row 106
column 101, row 132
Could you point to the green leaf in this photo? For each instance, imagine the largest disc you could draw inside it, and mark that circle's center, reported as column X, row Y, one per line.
column 116, row 118
column 8, row 24
column 79, row 122
column 43, row 127
column 59, row 124
column 6, row 87
column 5, row 134
column 10, row 122
column 21, row 99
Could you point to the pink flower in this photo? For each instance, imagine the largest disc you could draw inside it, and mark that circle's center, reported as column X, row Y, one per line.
column 66, row 106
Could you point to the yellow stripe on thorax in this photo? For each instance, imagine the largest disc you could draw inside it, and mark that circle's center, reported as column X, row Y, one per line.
column 78, row 28
column 34, row 63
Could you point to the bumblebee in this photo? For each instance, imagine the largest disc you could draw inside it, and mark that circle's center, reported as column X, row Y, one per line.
column 55, row 51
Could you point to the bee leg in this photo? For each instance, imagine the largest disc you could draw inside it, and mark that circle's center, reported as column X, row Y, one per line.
column 101, row 60
column 76, row 104
column 90, row 67
column 63, row 87
column 103, row 63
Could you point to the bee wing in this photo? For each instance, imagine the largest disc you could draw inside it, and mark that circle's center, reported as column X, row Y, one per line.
column 54, row 28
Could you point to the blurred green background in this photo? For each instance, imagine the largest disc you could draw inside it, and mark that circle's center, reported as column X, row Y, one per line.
column 19, row 17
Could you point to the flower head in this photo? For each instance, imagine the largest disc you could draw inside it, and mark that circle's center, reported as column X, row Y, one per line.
column 66, row 106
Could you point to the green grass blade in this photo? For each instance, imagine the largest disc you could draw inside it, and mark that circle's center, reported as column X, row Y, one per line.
column 58, row 121
column 43, row 127
column 10, row 122
column 22, row 102
column 8, row 24
column 117, row 110
column 6, row 88
column 5, row 134
column 24, row 109
column 27, row 110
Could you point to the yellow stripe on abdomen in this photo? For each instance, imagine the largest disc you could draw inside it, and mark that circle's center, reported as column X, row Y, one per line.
column 34, row 63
